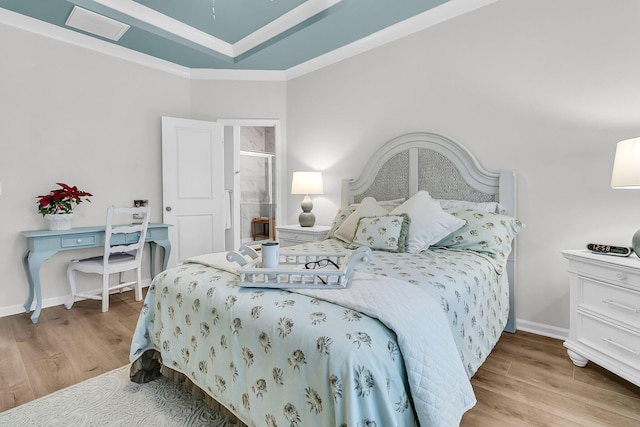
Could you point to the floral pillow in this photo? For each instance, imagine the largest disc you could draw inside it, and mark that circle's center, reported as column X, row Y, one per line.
column 368, row 207
column 345, row 211
column 384, row 233
column 341, row 216
column 477, row 206
column 488, row 233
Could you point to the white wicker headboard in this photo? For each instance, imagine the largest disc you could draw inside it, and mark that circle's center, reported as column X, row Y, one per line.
column 443, row 167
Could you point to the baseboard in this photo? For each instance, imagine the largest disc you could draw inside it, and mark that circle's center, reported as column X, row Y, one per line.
column 49, row 302
column 542, row 329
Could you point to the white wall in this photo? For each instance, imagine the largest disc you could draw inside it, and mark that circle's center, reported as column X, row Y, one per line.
column 546, row 88
column 92, row 120
column 75, row 116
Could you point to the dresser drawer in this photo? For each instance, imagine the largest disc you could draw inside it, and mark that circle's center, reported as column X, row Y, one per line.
column 617, row 302
column 612, row 341
column 298, row 237
column 611, row 274
column 293, row 235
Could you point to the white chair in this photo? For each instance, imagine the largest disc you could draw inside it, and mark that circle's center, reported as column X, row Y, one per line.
column 124, row 256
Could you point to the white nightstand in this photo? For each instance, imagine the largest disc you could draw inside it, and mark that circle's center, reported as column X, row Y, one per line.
column 294, row 234
column 605, row 312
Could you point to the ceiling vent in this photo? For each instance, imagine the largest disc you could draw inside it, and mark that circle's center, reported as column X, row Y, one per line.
column 93, row 23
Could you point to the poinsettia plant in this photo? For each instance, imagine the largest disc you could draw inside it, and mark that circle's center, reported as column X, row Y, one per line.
column 62, row 200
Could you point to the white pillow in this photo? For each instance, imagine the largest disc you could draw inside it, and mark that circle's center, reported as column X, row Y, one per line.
column 429, row 223
column 368, row 207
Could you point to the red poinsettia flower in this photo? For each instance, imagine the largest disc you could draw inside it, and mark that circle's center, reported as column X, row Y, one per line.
column 62, row 200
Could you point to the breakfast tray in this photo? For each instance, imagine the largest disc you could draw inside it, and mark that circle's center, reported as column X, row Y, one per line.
column 291, row 272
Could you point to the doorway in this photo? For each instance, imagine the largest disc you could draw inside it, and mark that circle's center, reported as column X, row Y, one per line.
column 254, row 164
column 257, row 184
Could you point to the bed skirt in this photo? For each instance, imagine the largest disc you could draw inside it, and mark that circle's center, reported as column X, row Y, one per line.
column 149, row 367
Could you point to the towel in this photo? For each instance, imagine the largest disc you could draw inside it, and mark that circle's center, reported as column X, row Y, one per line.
column 226, row 209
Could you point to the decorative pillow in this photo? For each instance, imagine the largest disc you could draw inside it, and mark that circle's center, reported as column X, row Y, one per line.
column 368, row 207
column 345, row 211
column 429, row 223
column 476, row 206
column 341, row 216
column 485, row 232
column 385, row 233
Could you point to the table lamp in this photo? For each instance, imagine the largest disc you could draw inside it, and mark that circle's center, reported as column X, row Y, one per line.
column 306, row 183
column 626, row 174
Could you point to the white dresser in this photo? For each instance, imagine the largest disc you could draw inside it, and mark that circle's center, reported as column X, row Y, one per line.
column 605, row 312
column 294, row 234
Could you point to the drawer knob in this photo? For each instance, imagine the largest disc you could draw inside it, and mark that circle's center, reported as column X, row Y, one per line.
column 79, row 241
column 620, row 276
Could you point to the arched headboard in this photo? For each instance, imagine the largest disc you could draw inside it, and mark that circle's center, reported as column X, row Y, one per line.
column 443, row 167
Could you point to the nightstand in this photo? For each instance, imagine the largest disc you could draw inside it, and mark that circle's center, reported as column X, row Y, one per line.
column 605, row 312
column 294, row 234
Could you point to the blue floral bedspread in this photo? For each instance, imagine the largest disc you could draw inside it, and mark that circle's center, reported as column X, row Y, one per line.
column 278, row 358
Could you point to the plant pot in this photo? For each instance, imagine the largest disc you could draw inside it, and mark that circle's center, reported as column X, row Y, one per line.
column 59, row 221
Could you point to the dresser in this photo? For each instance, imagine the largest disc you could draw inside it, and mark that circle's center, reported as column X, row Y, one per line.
column 294, row 234
column 605, row 312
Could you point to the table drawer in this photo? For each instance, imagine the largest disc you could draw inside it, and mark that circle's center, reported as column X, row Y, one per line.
column 617, row 302
column 131, row 237
column 615, row 342
column 79, row 241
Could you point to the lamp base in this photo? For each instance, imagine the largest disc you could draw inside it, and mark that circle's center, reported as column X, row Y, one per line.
column 635, row 243
column 307, row 219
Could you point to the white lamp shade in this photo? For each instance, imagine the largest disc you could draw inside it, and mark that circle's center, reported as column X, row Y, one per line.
column 307, row 183
column 626, row 166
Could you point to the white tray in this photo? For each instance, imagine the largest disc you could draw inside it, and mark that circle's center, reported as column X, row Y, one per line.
column 291, row 272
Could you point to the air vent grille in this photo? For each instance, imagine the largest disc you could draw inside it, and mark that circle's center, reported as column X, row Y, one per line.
column 94, row 23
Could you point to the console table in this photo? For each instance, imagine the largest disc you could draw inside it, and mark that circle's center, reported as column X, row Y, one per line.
column 43, row 244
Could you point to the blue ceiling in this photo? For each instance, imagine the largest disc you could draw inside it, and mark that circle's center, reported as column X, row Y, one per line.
column 235, row 34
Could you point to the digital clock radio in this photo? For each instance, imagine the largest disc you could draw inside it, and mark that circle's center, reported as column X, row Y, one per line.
column 610, row 249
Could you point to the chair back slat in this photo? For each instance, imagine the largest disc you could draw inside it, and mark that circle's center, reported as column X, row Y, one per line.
column 136, row 232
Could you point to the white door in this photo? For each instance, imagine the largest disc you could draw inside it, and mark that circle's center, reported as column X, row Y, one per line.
column 193, row 186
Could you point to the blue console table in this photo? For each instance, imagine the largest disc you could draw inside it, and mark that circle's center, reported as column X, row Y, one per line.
column 43, row 244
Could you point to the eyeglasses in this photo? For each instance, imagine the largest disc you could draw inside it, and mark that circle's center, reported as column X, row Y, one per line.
column 321, row 263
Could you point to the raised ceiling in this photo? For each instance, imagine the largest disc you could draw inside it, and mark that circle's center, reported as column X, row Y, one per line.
column 247, row 34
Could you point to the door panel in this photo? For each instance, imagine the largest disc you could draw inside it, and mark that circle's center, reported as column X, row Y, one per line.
column 193, row 186
column 196, row 225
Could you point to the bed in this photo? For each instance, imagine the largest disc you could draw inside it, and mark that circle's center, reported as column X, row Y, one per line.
column 396, row 347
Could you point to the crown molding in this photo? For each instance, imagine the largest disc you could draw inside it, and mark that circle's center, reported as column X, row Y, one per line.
column 156, row 19
column 431, row 17
column 247, row 75
column 46, row 29
column 434, row 16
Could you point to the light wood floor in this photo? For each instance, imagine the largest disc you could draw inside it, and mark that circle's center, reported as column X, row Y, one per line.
column 528, row 380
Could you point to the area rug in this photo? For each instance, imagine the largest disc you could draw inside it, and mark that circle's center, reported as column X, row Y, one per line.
column 112, row 400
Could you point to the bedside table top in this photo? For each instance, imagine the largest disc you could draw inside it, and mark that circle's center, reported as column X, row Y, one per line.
column 296, row 227
column 631, row 261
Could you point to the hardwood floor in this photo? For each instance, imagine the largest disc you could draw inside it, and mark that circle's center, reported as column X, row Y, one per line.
column 64, row 347
column 528, row 380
